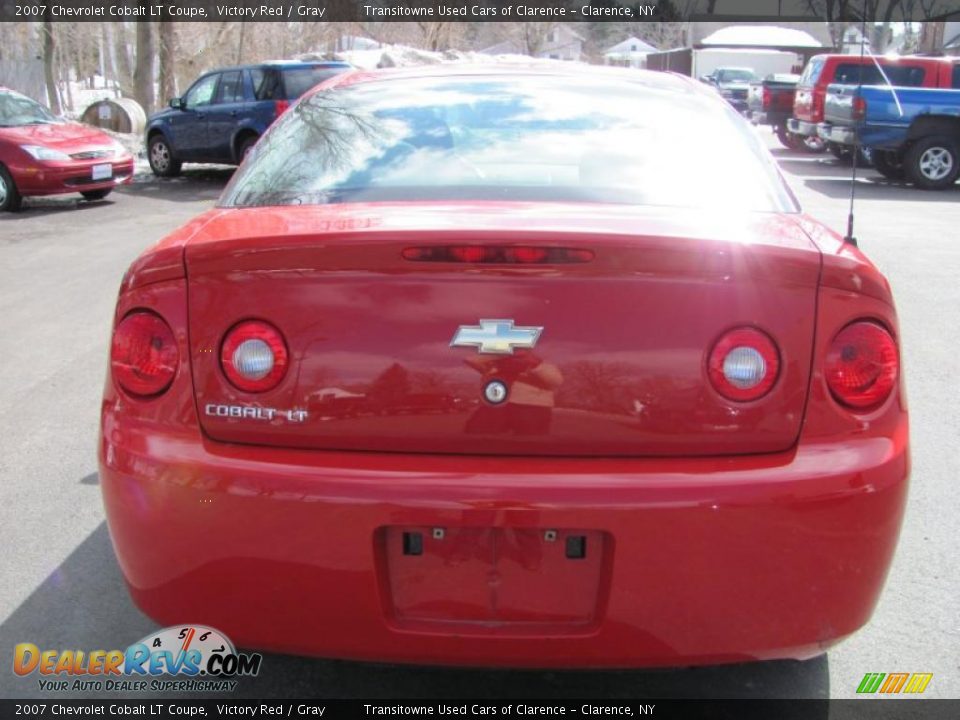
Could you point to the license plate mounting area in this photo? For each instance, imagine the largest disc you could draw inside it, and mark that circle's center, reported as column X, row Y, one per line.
column 495, row 579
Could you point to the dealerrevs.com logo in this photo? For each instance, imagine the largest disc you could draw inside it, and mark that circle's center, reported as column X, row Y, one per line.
column 200, row 659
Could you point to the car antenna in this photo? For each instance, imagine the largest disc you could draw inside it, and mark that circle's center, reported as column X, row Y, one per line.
column 849, row 238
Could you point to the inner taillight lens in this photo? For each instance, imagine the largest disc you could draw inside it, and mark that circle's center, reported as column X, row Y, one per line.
column 862, row 365
column 143, row 354
column 744, row 364
column 254, row 356
column 280, row 107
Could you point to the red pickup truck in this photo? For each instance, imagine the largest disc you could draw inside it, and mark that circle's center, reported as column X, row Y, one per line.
column 823, row 70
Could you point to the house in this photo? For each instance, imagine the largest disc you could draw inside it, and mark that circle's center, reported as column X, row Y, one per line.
column 631, row 52
column 940, row 38
column 561, row 43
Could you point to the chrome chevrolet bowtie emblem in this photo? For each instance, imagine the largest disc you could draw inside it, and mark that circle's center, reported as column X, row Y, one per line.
column 496, row 337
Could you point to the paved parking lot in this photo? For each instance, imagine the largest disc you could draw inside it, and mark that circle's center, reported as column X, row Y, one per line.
column 60, row 265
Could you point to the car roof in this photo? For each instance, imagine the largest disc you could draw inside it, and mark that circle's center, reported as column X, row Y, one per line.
column 283, row 65
column 557, row 68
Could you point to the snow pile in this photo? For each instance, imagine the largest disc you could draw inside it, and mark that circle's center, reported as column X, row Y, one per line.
column 390, row 56
column 762, row 36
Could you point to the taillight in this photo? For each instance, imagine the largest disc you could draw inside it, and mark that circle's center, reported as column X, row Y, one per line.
column 766, row 98
column 819, row 98
column 859, row 108
column 143, row 354
column 497, row 254
column 862, row 365
column 280, row 107
column 744, row 364
column 254, row 356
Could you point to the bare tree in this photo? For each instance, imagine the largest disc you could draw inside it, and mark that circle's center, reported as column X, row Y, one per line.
column 168, row 57
column 49, row 47
column 143, row 72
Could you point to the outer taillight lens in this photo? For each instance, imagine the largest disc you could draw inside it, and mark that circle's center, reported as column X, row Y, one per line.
column 766, row 97
column 859, row 108
column 744, row 364
column 862, row 365
column 144, row 354
column 280, row 107
column 254, row 356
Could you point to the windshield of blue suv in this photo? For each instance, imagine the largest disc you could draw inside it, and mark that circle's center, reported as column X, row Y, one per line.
column 563, row 138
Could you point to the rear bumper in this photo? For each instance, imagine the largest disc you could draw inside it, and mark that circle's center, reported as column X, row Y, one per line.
column 838, row 134
column 703, row 560
column 802, row 127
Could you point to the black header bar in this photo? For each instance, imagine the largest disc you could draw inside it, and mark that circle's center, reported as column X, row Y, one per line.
column 454, row 10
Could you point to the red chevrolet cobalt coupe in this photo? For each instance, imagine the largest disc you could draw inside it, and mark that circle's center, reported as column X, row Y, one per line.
column 524, row 367
column 43, row 155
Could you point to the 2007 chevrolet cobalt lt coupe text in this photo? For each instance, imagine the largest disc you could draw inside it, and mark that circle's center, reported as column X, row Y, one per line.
column 526, row 367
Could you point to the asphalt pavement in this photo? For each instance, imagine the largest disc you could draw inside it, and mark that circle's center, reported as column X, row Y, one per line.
column 61, row 261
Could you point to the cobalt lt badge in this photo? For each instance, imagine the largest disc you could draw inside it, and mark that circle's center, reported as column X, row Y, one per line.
column 496, row 337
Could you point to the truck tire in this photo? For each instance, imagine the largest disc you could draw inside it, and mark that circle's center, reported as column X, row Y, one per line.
column 844, row 154
column 932, row 163
column 889, row 164
column 840, row 152
column 812, row 144
column 789, row 140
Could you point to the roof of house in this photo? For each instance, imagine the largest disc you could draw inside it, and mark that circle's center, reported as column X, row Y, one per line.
column 631, row 44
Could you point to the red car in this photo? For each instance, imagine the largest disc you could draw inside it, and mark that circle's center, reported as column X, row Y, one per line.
column 43, row 155
column 673, row 430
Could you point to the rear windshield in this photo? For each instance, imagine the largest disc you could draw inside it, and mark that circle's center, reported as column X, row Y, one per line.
column 298, row 80
column 535, row 138
column 811, row 73
column 736, row 75
column 870, row 74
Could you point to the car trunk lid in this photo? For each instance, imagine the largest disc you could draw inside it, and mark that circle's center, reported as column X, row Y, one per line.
column 618, row 368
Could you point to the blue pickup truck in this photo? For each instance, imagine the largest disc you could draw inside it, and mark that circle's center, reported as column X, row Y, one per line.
column 224, row 113
column 913, row 133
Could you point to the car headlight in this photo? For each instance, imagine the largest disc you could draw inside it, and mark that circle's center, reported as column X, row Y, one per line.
column 39, row 152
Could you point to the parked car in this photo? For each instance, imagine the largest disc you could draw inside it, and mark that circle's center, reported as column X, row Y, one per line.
column 770, row 102
column 223, row 114
column 41, row 154
column 732, row 83
column 672, row 425
column 913, row 133
column 824, row 70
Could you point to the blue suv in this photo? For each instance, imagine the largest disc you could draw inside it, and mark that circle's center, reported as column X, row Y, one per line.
column 225, row 112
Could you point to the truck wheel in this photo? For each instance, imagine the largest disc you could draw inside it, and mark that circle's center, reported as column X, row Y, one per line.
column 788, row 139
column 932, row 163
column 813, row 144
column 840, row 152
column 889, row 164
column 160, row 156
column 844, row 153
